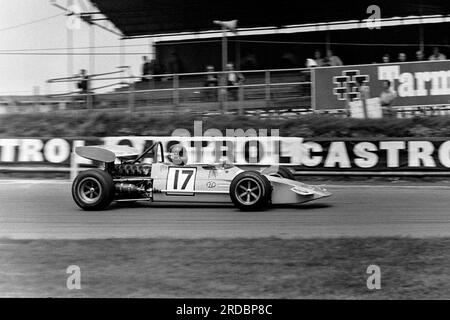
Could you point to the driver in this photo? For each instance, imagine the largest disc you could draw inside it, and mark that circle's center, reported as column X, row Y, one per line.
column 178, row 155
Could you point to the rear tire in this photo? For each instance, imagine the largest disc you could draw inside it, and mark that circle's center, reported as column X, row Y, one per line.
column 278, row 172
column 250, row 190
column 93, row 190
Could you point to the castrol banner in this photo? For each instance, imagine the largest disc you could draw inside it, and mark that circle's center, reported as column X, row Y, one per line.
column 328, row 154
column 238, row 150
column 415, row 154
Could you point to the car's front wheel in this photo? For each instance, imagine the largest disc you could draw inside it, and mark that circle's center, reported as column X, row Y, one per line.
column 280, row 172
column 250, row 190
column 93, row 189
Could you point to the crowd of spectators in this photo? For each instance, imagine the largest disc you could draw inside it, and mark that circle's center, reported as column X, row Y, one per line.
column 331, row 60
column 175, row 65
column 420, row 56
column 233, row 80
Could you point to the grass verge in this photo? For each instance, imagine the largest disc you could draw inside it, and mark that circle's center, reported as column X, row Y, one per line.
column 237, row 268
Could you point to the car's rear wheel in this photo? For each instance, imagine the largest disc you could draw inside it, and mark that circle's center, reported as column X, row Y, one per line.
column 250, row 190
column 278, row 172
column 93, row 189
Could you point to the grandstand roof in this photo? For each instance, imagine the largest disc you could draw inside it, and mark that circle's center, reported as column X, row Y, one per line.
column 151, row 17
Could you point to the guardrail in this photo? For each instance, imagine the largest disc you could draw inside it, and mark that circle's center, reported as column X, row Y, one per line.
column 192, row 91
column 186, row 92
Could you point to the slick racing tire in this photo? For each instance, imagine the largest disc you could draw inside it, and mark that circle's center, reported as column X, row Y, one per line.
column 93, row 190
column 278, row 172
column 250, row 190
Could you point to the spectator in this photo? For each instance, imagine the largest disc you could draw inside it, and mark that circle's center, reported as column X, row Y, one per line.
column 318, row 58
column 332, row 60
column 402, row 57
column 437, row 55
column 386, row 58
column 419, row 55
column 148, row 68
column 210, row 81
column 387, row 96
column 83, row 84
column 310, row 63
column 364, row 94
column 234, row 79
column 363, row 89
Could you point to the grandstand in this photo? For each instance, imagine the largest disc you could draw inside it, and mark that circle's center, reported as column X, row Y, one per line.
column 267, row 31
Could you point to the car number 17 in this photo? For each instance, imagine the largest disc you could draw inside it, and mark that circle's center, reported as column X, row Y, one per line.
column 181, row 179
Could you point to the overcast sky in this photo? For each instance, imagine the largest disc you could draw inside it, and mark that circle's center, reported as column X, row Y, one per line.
column 20, row 73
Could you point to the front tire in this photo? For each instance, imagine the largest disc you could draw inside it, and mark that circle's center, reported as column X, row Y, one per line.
column 93, row 190
column 250, row 190
column 281, row 172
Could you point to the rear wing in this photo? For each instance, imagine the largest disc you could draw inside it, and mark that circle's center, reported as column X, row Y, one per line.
column 106, row 153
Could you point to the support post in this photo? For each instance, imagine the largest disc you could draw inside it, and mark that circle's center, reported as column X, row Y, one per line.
column 176, row 92
column 89, row 97
column 70, row 72
column 238, row 54
column 241, row 100
column 224, row 90
column 267, row 91
column 421, row 39
column 224, row 48
column 312, row 89
column 91, row 49
column 328, row 46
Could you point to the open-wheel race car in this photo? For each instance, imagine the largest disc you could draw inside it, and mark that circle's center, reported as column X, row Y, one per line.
column 127, row 176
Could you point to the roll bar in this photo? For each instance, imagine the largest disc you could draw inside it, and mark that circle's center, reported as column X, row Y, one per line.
column 159, row 144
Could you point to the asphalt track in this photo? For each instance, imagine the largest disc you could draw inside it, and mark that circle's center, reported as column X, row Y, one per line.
column 45, row 210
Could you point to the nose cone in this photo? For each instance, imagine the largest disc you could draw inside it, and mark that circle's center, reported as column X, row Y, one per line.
column 311, row 190
column 321, row 191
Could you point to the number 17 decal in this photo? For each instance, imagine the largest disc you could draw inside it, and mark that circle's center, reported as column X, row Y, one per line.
column 181, row 179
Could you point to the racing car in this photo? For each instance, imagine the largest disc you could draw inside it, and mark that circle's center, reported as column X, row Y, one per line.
column 126, row 175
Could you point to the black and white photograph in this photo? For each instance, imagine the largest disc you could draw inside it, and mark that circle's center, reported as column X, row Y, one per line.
column 224, row 156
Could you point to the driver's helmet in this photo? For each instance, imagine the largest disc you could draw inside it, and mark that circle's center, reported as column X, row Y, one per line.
column 178, row 155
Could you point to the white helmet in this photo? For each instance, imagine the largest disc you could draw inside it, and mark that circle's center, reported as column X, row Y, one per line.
column 178, row 155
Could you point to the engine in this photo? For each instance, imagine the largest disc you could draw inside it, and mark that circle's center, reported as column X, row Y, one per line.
column 133, row 170
column 135, row 189
column 132, row 181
